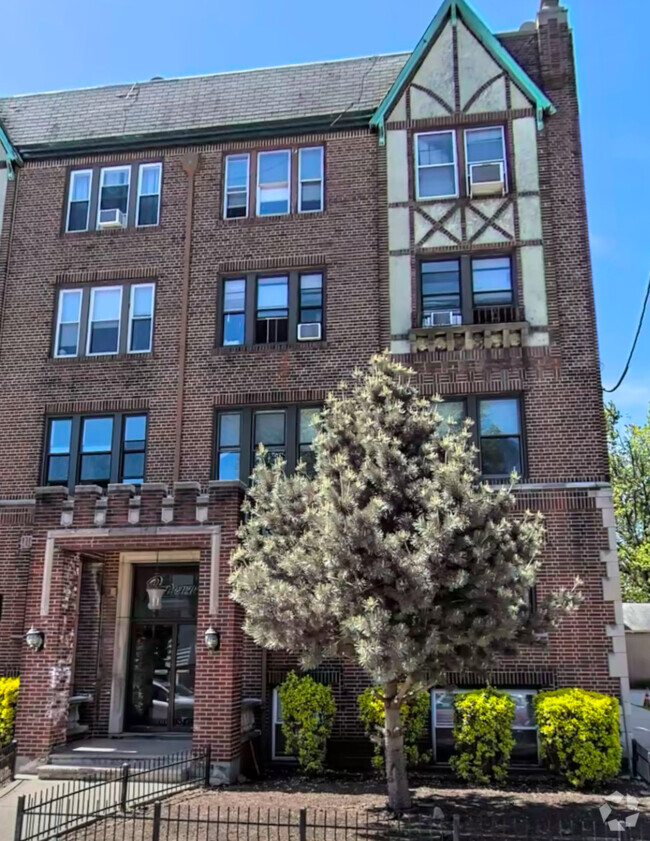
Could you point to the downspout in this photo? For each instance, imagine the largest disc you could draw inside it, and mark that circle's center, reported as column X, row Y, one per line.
column 190, row 166
column 5, row 275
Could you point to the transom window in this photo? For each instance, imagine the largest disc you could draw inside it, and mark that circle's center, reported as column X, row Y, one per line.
column 104, row 320
column 287, row 433
column 265, row 309
column 104, row 195
column 435, row 156
column 95, row 449
column 273, row 183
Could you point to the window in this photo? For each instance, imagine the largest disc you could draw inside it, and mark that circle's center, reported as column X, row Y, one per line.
column 440, row 289
column 435, row 163
column 234, row 311
column 141, row 318
column 485, row 147
column 95, row 449
column 149, row 179
column 452, row 413
column 79, row 200
column 491, row 282
column 279, row 746
column 114, row 183
column 286, row 432
column 500, row 436
column 237, row 185
column 310, row 179
column 273, row 191
column 103, row 320
column 67, row 325
column 310, row 304
column 272, row 310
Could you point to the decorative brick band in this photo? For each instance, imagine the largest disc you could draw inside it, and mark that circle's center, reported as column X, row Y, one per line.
column 93, row 406
column 295, row 395
column 520, row 678
column 328, row 676
column 295, row 261
column 107, row 275
column 458, row 118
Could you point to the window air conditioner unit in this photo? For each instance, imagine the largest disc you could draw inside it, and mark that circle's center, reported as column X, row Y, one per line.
column 487, row 179
column 442, row 318
column 113, row 218
column 309, row 331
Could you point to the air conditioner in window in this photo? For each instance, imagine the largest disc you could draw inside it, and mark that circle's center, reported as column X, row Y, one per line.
column 113, row 218
column 309, row 332
column 487, row 179
column 441, row 318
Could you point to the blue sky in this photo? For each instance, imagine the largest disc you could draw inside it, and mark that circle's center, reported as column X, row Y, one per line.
column 76, row 44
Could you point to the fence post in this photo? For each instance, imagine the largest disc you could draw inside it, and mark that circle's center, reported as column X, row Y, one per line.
column 155, row 832
column 124, row 793
column 455, row 827
column 12, row 760
column 303, row 825
column 207, row 772
column 634, row 757
column 20, row 811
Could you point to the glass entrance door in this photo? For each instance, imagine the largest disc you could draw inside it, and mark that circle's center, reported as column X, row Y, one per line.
column 162, row 660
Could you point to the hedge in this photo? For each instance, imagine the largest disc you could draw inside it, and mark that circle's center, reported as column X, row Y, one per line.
column 308, row 710
column 8, row 700
column 483, row 739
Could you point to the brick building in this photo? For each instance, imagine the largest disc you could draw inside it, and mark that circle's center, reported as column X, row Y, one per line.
column 188, row 266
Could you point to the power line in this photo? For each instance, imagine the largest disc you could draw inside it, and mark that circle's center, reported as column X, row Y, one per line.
column 636, row 339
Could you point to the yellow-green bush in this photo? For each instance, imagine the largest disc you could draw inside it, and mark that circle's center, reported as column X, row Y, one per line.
column 8, row 699
column 578, row 735
column 483, row 739
column 414, row 714
column 308, row 710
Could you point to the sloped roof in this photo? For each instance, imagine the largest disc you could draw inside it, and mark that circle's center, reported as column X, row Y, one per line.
column 329, row 89
column 636, row 616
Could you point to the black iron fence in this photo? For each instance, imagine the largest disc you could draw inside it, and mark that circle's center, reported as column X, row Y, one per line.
column 7, row 762
column 80, row 803
column 187, row 822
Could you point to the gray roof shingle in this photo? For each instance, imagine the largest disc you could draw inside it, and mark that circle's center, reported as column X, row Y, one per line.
column 200, row 102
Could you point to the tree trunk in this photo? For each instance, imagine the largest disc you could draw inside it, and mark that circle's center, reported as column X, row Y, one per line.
column 399, row 796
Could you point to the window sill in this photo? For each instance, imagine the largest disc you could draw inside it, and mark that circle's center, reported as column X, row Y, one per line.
column 229, row 350
column 104, row 232
column 103, row 357
column 277, row 217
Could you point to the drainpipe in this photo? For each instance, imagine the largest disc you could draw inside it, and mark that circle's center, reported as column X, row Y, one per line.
column 190, row 166
column 5, row 278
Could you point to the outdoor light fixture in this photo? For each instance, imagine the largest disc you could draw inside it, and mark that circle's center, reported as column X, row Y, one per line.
column 155, row 590
column 35, row 639
column 212, row 639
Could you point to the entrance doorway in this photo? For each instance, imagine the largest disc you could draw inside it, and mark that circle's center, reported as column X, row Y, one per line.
column 162, row 656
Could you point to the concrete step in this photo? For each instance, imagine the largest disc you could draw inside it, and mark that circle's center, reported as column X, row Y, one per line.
column 77, row 772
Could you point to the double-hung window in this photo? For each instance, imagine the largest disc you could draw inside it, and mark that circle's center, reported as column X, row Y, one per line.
column 272, row 310
column 237, row 186
column 273, row 183
column 440, row 289
column 148, row 210
column 234, row 311
column 104, row 320
column 492, row 282
column 310, row 179
column 269, row 430
column 500, row 436
column 435, row 164
column 79, row 200
column 310, row 304
column 485, row 154
column 306, row 434
column 228, row 445
column 95, row 449
column 113, row 205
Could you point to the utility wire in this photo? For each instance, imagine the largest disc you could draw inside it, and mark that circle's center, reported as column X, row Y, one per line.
column 636, row 339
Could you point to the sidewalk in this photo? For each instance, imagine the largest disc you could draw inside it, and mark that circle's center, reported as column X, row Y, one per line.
column 9, row 795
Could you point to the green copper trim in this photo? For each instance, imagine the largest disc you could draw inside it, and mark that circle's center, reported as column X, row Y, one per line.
column 13, row 158
column 473, row 21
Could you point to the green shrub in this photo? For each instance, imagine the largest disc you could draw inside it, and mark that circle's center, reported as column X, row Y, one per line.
column 578, row 735
column 483, row 739
column 308, row 710
column 8, row 700
column 415, row 714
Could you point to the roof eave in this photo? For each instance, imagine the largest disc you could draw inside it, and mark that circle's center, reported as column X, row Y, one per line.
column 480, row 30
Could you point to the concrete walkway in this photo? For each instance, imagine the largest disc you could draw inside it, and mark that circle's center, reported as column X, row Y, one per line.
column 9, row 795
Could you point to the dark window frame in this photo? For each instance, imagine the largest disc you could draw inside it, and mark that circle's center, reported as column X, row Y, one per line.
column 117, row 445
column 132, row 207
column 247, row 446
column 250, row 306
column 465, row 262
column 125, row 327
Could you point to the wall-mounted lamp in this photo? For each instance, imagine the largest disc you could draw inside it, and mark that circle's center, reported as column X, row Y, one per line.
column 35, row 639
column 212, row 639
column 155, row 591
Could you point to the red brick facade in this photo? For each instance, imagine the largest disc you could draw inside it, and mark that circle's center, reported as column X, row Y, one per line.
column 559, row 385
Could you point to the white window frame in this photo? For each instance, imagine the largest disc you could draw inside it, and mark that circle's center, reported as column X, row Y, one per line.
column 311, row 180
column 141, row 169
column 503, row 161
column 241, row 155
column 102, row 172
column 416, row 158
column 60, row 322
column 73, row 176
column 133, row 318
column 260, row 155
column 91, row 321
column 283, row 757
